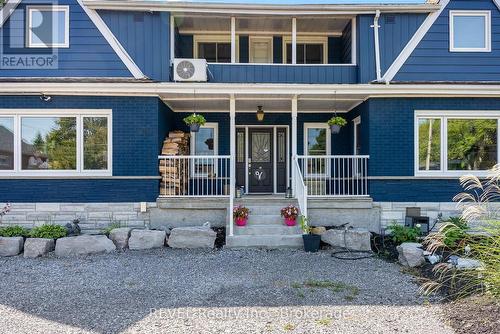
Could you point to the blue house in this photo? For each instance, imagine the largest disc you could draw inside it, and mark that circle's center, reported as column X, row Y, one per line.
column 93, row 94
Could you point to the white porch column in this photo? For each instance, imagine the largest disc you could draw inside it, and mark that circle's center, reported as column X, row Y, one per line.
column 294, row 40
column 233, row 39
column 232, row 144
column 294, row 139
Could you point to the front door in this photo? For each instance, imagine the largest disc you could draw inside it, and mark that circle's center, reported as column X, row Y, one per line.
column 260, row 160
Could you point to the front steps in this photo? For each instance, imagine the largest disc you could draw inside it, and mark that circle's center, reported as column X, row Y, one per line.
column 265, row 228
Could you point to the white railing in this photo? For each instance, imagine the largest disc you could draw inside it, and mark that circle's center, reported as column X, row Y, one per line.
column 335, row 175
column 300, row 188
column 195, row 176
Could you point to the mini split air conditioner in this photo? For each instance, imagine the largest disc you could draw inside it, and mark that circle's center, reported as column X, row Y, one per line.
column 190, row 69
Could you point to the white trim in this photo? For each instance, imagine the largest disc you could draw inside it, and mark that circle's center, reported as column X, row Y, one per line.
column 215, row 127
column 197, row 39
column 376, row 26
column 294, row 43
column 172, row 39
column 251, row 55
column 306, row 40
column 413, row 43
column 79, row 115
column 306, row 154
column 354, row 41
column 233, row 39
column 6, row 11
column 487, row 29
column 113, row 41
column 356, row 122
column 497, row 3
column 443, row 116
column 46, row 8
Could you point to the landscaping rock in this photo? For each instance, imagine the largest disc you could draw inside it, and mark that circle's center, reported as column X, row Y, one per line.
column 120, row 237
column 84, row 245
column 411, row 254
column 318, row 230
column 468, row 264
column 433, row 259
column 11, row 246
column 146, row 239
column 36, row 247
column 192, row 237
column 352, row 239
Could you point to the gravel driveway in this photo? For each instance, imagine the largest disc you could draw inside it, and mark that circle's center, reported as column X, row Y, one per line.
column 172, row 291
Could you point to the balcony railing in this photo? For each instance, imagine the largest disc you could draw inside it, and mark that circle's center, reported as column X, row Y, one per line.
column 335, row 175
column 283, row 73
column 195, row 176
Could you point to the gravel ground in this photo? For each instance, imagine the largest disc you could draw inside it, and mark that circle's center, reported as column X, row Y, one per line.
column 172, row 291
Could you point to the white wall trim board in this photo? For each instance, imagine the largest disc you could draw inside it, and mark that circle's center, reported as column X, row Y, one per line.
column 413, row 43
column 113, row 41
column 497, row 3
column 7, row 10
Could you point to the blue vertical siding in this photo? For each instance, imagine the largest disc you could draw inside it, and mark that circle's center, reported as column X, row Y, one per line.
column 88, row 55
column 366, row 49
column 146, row 38
column 432, row 60
column 139, row 126
column 183, row 45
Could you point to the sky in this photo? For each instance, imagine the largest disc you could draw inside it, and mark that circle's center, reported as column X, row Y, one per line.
column 316, row 2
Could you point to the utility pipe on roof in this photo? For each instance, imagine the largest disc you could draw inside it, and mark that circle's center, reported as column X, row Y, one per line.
column 376, row 27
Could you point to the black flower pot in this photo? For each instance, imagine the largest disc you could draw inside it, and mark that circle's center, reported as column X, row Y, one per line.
column 311, row 242
column 195, row 127
column 335, row 128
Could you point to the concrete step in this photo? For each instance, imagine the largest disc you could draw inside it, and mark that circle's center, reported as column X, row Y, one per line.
column 265, row 202
column 264, row 241
column 267, row 230
column 264, row 210
column 258, row 219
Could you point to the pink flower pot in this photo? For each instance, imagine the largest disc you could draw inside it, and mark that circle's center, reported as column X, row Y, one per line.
column 290, row 221
column 241, row 221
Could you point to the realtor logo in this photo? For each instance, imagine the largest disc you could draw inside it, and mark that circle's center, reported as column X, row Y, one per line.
column 32, row 33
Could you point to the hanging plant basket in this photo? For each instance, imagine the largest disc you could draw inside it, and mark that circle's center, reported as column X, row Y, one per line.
column 336, row 123
column 195, row 121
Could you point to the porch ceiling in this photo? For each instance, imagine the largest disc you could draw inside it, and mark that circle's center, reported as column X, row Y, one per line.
column 270, row 102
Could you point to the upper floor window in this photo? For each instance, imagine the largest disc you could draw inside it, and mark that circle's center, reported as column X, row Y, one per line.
column 456, row 142
column 51, row 142
column 215, row 49
column 307, row 53
column 47, row 26
column 470, row 31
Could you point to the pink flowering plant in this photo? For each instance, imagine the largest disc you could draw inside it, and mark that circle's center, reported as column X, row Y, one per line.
column 240, row 212
column 5, row 210
column 290, row 212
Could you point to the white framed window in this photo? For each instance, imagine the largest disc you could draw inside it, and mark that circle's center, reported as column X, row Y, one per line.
column 205, row 143
column 261, row 50
column 47, row 26
column 454, row 143
column 317, row 139
column 470, row 31
column 310, row 50
column 44, row 142
column 214, row 48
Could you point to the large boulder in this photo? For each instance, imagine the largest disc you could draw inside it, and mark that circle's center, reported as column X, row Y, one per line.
column 11, row 246
column 192, row 237
column 146, row 239
column 84, row 245
column 319, row 230
column 411, row 254
column 356, row 239
column 120, row 237
column 36, row 247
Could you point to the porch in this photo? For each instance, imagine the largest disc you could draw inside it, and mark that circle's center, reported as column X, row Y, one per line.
column 285, row 147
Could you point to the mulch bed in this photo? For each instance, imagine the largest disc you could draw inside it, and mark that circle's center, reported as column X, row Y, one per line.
column 474, row 315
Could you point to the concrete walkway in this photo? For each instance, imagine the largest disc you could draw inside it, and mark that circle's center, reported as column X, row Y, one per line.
column 174, row 291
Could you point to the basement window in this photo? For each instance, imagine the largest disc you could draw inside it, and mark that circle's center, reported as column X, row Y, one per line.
column 47, row 26
column 470, row 31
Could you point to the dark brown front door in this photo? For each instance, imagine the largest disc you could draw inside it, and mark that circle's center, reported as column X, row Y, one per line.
column 260, row 162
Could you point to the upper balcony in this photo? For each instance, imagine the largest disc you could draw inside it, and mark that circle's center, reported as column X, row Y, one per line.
column 270, row 49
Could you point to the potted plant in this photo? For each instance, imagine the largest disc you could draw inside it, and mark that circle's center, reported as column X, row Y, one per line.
column 195, row 121
column 311, row 241
column 240, row 215
column 336, row 123
column 290, row 214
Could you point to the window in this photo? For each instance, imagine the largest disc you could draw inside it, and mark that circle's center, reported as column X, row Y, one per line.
column 204, row 142
column 47, row 26
column 215, row 52
column 470, row 31
column 456, row 143
column 56, row 142
column 261, row 50
column 306, row 53
column 316, row 142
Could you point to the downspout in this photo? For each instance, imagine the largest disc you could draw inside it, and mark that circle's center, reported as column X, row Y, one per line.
column 376, row 27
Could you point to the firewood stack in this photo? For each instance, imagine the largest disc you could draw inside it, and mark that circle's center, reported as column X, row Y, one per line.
column 174, row 172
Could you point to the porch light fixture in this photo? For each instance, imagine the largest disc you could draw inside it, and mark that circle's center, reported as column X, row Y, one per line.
column 260, row 114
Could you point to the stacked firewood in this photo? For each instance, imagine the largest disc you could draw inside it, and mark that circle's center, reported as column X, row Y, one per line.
column 174, row 172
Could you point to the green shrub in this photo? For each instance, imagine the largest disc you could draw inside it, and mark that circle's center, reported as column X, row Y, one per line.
column 13, row 231
column 106, row 231
column 48, row 232
column 400, row 233
column 454, row 232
